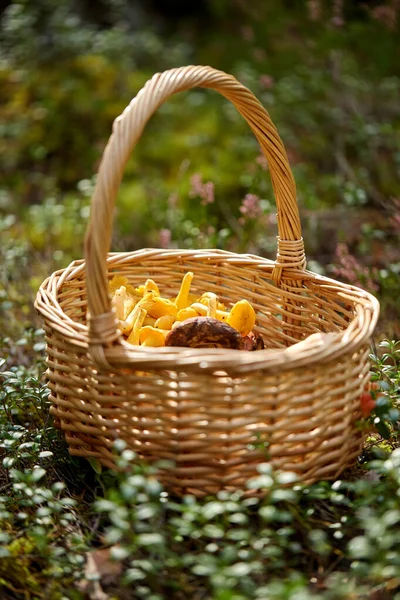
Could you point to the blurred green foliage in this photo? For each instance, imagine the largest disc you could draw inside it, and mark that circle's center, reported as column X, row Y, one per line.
column 71, row 530
column 66, row 71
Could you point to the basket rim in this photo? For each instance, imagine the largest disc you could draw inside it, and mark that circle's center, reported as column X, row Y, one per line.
column 317, row 348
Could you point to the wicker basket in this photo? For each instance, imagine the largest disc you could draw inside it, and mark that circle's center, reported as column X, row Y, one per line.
column 212, row 412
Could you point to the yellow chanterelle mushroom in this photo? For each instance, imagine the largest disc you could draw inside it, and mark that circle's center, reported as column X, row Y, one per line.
column 202, row 310
column 122, row 303
column 146, row 318
column 120, row 280
column 150, row 321
column 242, row 317
column 151, row 286
column 207, row 296
column 182, row 299
column 150, row 336
column 186, row 313
column 164, row 322
column 138, row 319
column 156, row 306
column 116, row 282
column 212, row 305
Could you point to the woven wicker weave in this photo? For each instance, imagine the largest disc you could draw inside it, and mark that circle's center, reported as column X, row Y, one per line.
column 210, row 411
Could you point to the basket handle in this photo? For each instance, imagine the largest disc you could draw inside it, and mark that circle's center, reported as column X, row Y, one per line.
column 127, row 130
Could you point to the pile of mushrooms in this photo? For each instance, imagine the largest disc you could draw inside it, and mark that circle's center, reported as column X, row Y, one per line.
column 146, row 318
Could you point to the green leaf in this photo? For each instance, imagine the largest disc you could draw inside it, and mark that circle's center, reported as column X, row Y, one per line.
column 38, row 473
column 150, row 539
column 287, row 477
column 8, row 462
column 393, row 415
column 212, row 509
column 382, row 429
column 104, row 505
column 382, row 402
column 95, row 464
column 359, row 547
column 384, row 386
column 39, row 346
column 119, row 553
column 240, row 569
column 134, row 575
column 213, row 531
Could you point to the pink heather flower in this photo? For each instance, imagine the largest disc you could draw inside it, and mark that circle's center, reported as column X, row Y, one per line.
column 250, row 207
column 197, row 185
column 247, row 33
column 208, row 191
column 262, row 161
column 314, row 9
column 164, row 238
column 337, row 21
column 387, row 14
column 396, row 203
column 395, row 218
column 337, row 18
column 205, row 191
column 259, row 54
column 267, row 81
column 173, row 200
column 351, row 270
column 395, row 222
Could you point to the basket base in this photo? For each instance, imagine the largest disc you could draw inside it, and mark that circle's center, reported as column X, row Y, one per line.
column 202, row 479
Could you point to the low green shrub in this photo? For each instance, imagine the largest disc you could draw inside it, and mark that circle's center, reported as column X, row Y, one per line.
column 196, row 179
column 329, row 541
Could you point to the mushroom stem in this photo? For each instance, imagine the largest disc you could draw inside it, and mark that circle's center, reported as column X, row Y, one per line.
column 137, row 324
column 182, row 299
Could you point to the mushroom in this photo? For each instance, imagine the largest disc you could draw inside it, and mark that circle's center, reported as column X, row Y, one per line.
column 151, row 286
column 242, row 317
column 137, row 318
column 165, row 322
column 182, row 299
column 157, row 306
column 202, row 309
column 116, row 282
column 127, row 324
column 203, row 332
column 186, row 313
column 145, row 288
column 212, row 306
column 207, row 296
column 252, row 342
column 149, row 336
column 149, row 321
column 120, row 280
column 122, row 303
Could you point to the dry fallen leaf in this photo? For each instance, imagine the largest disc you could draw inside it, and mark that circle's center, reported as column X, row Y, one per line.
column 100, row 571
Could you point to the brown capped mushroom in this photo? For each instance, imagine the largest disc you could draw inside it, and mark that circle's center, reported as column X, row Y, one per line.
column 204, row 332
